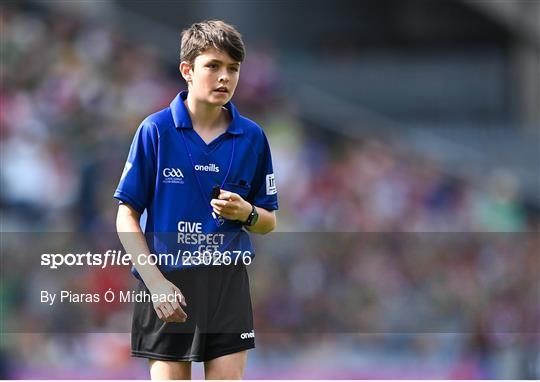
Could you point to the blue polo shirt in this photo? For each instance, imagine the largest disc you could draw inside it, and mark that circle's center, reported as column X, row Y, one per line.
column 170, row 173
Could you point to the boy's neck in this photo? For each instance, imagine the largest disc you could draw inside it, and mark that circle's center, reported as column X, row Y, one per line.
column 204, row 116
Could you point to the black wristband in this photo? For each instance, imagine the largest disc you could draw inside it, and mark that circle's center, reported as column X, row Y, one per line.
column 252, row 217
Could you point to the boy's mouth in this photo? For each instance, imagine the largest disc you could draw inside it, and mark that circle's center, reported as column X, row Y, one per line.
column 222, row 89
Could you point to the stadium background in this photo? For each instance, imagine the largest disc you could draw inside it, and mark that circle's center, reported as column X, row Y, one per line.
column 417, row 116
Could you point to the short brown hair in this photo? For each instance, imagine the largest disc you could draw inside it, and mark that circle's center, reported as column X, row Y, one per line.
column 211, row 33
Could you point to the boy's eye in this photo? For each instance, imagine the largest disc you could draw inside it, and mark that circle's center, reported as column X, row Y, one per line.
column 234, row 69
column 212, row 66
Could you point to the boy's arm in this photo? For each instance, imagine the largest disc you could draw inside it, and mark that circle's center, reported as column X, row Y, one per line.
column 134, row 242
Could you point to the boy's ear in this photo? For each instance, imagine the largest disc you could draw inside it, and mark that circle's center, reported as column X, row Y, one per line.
column 185, row 70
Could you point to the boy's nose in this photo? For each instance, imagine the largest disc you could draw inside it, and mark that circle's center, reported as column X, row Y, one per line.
column 223, row 78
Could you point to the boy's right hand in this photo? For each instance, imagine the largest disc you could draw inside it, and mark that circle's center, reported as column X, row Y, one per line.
column 170, row 310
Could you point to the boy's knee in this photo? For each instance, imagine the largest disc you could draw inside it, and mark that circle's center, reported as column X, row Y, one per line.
column 227, row 367
column 230, row 373
column 166, row 370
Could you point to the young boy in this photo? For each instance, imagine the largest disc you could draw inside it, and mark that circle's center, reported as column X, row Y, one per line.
column 203, row 173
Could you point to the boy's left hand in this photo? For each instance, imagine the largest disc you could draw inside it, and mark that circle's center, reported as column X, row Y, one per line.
column 231, row 206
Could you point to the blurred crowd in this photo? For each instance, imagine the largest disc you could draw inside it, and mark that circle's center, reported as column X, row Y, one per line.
column 374, row 185
column 71, row 96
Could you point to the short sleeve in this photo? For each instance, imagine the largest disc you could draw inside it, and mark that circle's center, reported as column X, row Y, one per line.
column 136, row 186
column 264, row 190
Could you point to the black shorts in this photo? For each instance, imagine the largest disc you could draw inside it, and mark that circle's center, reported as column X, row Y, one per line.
column 220, row 317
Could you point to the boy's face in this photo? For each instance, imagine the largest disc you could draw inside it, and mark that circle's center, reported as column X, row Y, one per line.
column 213, row 77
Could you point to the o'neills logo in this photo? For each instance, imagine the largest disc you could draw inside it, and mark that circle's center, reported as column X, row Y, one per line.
column 247, row 335
column 212, row 167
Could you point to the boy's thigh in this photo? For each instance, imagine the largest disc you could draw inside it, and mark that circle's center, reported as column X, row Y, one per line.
column 220, row 318
column 230, row 313
column 230, row 324
column 166, row 341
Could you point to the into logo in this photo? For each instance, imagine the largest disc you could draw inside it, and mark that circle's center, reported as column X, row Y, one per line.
column 247, row 335
column 271, row 188
column 212, row 167
column 172, row 175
